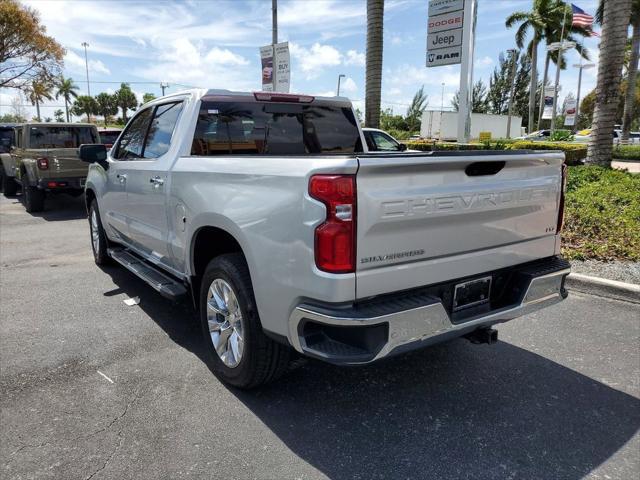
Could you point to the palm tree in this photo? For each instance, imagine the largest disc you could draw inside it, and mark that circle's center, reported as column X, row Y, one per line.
column 67, row 90
column 39, row 91
column 373, row 88
column 615, row 22
column 632, row 72
column 543, row 14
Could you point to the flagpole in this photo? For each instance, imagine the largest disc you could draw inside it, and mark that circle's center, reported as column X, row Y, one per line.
column 558, row 65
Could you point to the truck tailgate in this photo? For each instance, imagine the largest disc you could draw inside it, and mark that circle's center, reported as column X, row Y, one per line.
column 64, row 163
column 425, row 219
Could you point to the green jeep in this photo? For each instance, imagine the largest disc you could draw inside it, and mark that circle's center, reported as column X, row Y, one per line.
column 46, row 160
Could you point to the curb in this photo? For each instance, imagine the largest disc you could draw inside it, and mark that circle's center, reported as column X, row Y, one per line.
column 628, row 292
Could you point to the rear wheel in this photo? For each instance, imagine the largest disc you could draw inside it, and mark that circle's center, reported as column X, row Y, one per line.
column 8, row 185
column 33, row 197
column 239, row 351
column 99, row 243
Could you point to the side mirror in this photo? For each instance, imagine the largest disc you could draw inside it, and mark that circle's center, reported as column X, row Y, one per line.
column 402, row 147
column 93, row 153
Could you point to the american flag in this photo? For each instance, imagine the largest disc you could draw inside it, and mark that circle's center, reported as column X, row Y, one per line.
column 581, row 18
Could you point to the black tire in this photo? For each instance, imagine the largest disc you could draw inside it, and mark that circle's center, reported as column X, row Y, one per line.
column 9, row 185
column 100, row 255
column 262, row 359
column 33, row 196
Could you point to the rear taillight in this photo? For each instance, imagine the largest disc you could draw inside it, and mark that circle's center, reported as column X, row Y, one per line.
column 43, row 163
column 335, row 239
column 563, row 191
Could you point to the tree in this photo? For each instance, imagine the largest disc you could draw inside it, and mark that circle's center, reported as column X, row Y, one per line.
column 373, row 87
column 479, row 102
column 37, row 92
column 615, row 21
column 389, row 121
column 632, row 72
column 85, row 105
column 67, row 90
column 26, row 52
column 11, row 118
column 126, row 100
column 416, row 109
column 147, row 97
column 58, row 115
column 106, row 105
column 543, row 13
column 47, row 119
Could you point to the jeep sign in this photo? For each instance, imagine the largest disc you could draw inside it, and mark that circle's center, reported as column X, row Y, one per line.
column 444, row 56
column 450, row 38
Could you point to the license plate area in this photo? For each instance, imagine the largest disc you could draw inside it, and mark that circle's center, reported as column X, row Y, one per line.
column 471, row 293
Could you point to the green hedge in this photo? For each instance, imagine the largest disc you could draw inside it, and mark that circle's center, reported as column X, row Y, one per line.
column 574, row 153
column 627, row 152
column 602, row 216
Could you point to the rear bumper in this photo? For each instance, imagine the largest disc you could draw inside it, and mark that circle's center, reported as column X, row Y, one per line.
column 366, row 332
column 63, row 183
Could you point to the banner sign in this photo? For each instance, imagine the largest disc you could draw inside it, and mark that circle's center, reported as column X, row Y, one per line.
column 266, row 57
column 276, row 68
column 547, row 113
column 570, row 112
column 444, row 32
column 282, row 67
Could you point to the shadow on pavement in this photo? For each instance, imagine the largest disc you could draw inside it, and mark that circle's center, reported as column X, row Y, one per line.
column 451, row 411
column 60, row 207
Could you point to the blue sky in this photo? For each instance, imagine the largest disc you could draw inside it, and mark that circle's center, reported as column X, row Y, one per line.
column 214, row 43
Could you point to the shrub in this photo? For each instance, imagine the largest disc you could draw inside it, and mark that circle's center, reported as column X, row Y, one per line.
column 602, row 218
column 627, row 152
column 574, row 153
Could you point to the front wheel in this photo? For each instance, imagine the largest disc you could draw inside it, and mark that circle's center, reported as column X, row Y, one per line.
column 239, row 351
column 99, row 242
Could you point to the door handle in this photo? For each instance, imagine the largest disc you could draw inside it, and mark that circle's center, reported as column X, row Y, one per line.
column 157, row 181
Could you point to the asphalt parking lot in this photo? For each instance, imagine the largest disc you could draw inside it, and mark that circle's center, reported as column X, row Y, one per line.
column 93, row 388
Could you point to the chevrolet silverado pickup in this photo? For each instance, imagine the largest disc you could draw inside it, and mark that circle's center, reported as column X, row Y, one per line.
column 44, row 160
column 269, row 211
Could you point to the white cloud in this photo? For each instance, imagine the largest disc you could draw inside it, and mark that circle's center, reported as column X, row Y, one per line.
column 224, row 56
column 356, row 58
column 484, row 62
column 313, row 60
column 348, row 86
column 76, row 63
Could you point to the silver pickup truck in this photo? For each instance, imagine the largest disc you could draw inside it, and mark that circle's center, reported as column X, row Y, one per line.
column 289, row 235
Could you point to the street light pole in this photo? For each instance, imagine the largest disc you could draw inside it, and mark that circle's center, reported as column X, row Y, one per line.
column 163, row 86
column 513, row 52
column 442, row 110
column 580, row 66
column 558, row 65
column 274, row 40
column 341, row 76
column 86, row 64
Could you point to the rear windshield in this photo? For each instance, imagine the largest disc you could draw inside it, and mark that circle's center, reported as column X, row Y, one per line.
column 109, row 138
column 60, row 137
column 274, row 129
column 6, row 139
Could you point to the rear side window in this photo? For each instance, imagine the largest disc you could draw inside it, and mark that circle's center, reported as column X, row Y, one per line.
column 274, row 129
column 6, row 139
column 60, row 137
column 161, row 129
column 109, row 138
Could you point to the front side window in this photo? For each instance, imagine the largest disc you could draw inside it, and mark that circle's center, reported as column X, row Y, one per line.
column 161, row 129
column 384, row 142
column 274, row 129
column 41, row 137
column 131, row 144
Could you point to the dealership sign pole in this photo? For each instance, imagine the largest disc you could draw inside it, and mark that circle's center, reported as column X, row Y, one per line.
column 450, row 41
